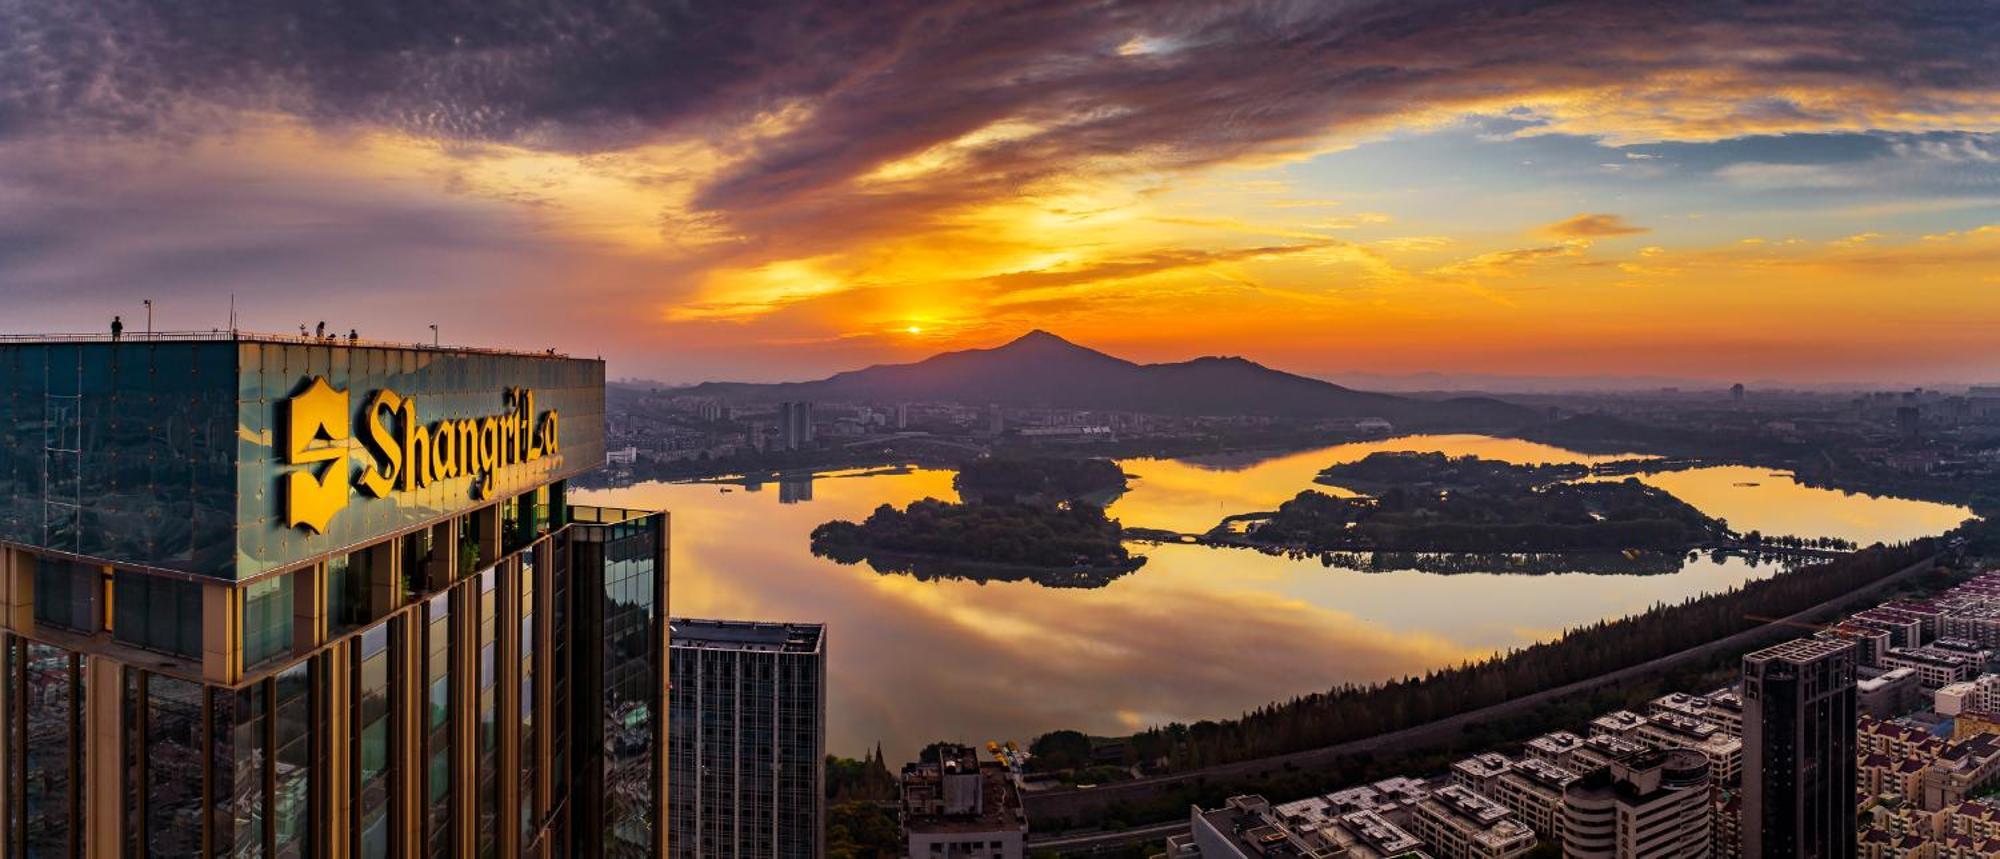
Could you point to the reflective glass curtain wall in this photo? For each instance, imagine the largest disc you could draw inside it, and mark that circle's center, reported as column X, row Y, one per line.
column 438, row 722
column 124, row 452
column 373, row 748
column 45, row 749
column 619, row 579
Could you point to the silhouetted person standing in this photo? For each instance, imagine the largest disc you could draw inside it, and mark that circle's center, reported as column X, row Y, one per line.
column 117, row 329
column 353, row 336
column 320, row 331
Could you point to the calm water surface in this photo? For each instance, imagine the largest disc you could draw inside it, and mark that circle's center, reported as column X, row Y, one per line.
column 1198, row 632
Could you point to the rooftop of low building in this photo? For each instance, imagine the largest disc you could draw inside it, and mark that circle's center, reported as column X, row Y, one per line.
column 758, row 636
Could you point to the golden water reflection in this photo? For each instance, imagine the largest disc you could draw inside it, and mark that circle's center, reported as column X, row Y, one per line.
column 1191, row 495
column 1196, row 633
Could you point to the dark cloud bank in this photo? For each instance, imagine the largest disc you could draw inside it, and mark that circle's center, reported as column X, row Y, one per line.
column 889, row 78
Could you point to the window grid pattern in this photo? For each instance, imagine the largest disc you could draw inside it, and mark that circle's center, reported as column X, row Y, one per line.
column 745, row 753
column 489, row 712
column 374, row 740
column 631, row 668
column 531, row 809
column 44, row 733
column 438, row 725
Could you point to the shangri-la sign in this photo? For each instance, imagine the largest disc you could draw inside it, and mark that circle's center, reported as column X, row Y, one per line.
column 401, row 453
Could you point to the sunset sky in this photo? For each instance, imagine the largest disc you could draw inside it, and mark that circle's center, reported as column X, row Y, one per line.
column 762, row 191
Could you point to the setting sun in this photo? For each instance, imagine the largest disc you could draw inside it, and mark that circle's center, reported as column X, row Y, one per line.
column 1338, row 411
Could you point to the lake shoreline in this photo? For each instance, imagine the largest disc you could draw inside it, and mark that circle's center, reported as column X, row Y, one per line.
column 1151, row 646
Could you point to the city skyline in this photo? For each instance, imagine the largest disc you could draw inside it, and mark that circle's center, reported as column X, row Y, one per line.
column 820, row 429
column 1777, row 192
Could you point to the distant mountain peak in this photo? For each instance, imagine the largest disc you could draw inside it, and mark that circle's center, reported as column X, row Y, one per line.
column 1043, row 370
column 1040, row 337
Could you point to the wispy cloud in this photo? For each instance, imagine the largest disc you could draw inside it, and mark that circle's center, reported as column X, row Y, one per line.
column 1592, row 226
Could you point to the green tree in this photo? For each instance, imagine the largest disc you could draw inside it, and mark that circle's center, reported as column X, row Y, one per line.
column 1060, row 750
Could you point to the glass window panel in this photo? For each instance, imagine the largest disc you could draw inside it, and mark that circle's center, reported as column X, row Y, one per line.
column 529, row 752
column 52, row 717
column 267, row 619
column 291, row 812
column 158, row 613
column 372, row 720
column 489, row 714
column 174, row 807
column 437, row 739
column 249, row 757
column 630, row 665
column 67, row 595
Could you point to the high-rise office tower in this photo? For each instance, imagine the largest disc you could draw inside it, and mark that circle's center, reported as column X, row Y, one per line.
column 748, row 740
column 1798, row 750
column 1654, row 803
column 795, row 425
column 273, row 596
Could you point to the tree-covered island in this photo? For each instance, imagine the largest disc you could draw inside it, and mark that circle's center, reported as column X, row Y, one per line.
column 1059, row 544
column 1435, row 503
column 1043, row 479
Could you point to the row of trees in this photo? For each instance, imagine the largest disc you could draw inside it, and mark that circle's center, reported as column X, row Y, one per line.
column 1356, row 711
column 1787, row 541
column 861, row 801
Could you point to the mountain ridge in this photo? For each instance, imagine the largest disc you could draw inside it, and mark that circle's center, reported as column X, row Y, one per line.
column 1042, row 369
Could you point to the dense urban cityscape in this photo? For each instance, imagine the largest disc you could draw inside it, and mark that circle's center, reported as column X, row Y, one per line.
column 1040, row 429
column 1847, row 704
column 1867, row 733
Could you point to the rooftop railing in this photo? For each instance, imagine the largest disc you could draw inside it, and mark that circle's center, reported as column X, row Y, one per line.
column 238, row 335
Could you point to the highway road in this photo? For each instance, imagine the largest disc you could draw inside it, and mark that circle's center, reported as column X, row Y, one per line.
column 1085, row 842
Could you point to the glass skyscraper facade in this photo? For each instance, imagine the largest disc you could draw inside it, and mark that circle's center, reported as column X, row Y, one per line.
column 747, row 740
column 1799, row 766
column 268, row 596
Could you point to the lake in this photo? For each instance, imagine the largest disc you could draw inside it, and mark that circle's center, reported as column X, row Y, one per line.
column 1198, row 632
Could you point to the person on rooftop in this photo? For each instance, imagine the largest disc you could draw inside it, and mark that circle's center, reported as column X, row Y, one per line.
column 117, row 329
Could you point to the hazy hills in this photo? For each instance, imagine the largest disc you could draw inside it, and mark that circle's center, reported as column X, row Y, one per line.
column 1042, row 369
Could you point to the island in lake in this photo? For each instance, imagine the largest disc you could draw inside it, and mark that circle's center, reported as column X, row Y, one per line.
column 1039, row 479
column 1024, row 520
column 1435, row 503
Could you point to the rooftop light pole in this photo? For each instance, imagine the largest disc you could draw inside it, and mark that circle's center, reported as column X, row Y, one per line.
column 149, row 319
column 434, row 335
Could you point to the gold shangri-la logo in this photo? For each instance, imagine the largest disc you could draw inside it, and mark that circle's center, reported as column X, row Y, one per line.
column 401, row 454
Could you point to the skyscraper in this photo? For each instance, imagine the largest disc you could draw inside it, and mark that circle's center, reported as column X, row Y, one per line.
column 1653, row 803
column 748, row 740
column 795, row 425
column 1798, row 739
column 261, row 596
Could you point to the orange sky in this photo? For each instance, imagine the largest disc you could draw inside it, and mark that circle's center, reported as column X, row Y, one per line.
column 1564, row 189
